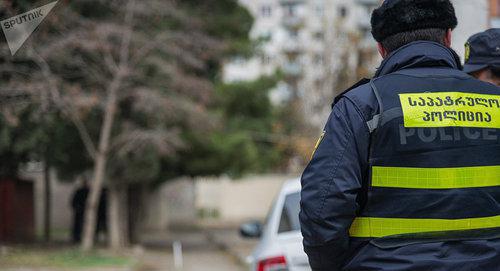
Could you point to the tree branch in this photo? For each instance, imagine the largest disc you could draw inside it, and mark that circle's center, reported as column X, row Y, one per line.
column 56, row 97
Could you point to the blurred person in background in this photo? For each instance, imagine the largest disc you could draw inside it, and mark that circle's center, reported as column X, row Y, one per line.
column 399, row 180
column 482, row 56
column 78, row 202
column 101, row 230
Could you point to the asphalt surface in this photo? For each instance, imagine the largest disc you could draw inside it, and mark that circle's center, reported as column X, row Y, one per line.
column 206, row 250
column 200, row 260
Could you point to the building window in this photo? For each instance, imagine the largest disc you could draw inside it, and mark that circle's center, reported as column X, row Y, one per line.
column 238, row 60
column 318, row 59
column 266, row 36
column 319, row 36
column 343, row 12
column 294, row 34
column 265, row 59
column 318, row 83
column 319, row 10
column 290, row 10
column 266, row 11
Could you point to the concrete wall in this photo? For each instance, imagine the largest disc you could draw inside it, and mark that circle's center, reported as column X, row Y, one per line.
column 62, row 214
column 179, row 202
column 238, row 200
column 222, row 201
column 173, row 203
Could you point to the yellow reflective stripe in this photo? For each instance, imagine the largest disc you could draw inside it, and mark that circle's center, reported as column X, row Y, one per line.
column 450, row 109
column 380, row 227
column 436, row 178
column 317, row 144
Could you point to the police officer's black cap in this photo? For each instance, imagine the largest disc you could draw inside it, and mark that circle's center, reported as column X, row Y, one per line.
column 482, row 51
column 397, row 16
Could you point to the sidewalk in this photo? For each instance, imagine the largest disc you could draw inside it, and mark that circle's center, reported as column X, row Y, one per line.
column 208, row 249
column 229, row 240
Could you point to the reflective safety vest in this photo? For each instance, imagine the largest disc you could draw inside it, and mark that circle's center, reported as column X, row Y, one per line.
column 434, row 158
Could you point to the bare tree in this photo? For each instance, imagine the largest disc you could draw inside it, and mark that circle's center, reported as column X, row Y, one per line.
column 91, row 66
column 345, row 61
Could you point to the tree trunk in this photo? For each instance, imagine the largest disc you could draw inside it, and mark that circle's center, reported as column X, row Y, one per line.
column 105, row 134
column 47, row 203
column 118, row 217
column 93, row 202
column 99, row 168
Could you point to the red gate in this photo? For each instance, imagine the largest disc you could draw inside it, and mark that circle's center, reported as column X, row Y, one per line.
column 16, row 211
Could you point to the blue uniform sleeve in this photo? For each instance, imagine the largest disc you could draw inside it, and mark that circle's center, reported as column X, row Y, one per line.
column 331, row 184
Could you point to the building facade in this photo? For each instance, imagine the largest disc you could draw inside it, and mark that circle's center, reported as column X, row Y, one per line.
column 309, row 41
column 323, row 46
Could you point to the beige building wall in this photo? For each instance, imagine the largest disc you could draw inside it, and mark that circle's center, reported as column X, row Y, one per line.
column 168, row 205
column 183, row 201
column 62, row 214
column 238, row 200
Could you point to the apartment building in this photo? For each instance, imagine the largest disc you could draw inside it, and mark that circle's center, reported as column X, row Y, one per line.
column 321, row 46
column 306, row 40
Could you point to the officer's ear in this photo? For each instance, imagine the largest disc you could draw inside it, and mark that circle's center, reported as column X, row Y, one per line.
column 447, row 38
column 381, row 50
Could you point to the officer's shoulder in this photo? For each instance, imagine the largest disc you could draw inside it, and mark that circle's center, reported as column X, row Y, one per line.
column 362, row 97
column 363, row 83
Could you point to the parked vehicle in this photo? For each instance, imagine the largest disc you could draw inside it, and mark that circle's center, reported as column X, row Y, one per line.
column 280, row 247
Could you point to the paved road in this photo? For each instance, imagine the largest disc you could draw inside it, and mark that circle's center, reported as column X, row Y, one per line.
column 199, row 260
column 202, row 251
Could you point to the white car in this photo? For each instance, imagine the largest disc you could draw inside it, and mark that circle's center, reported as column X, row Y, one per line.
column 280, row 247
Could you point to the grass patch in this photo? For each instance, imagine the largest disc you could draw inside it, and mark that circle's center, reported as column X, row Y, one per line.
column 61, row 258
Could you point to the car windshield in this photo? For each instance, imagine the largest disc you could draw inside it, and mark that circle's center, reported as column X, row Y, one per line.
column 290, row 214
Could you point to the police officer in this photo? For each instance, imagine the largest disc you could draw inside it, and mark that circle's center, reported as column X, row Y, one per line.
column 482, row 56
column 407, row 173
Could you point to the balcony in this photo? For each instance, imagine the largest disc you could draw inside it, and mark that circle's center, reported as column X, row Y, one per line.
column 293, row 22
column 293, row 47
column 292, row 69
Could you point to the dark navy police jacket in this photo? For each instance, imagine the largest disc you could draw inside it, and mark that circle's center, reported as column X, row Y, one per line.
column 407, row 174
